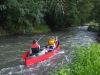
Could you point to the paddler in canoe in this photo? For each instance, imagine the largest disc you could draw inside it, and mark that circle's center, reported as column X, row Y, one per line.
column 51, row 44
column 44, row 50
column 35, row 47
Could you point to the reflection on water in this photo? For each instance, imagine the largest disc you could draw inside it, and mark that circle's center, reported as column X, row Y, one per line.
column 13, row 47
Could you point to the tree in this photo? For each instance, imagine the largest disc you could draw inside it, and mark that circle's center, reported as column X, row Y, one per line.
column 2, row 12
column 67, row 12
column 96, row 11
column 21, row 14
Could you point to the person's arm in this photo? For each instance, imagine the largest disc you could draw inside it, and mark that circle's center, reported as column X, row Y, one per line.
column 56, row 39
column 54, row 45
column 39, row 46
column 30, row 51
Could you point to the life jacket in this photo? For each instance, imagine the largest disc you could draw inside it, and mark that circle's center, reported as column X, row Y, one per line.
column 35, row 48
column 51, row 42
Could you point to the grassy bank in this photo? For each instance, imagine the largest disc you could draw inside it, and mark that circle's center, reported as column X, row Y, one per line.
column 3, row 32
column 28, row 30
column 86, row 61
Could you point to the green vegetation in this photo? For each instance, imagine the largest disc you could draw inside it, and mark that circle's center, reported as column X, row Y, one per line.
column 92, row 23
column 93, row 26
column 86, row 61
column 22, row 16
column 43, row 28
column 3, row 32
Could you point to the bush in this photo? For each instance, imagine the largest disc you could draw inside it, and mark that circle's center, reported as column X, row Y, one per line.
column 86, row 61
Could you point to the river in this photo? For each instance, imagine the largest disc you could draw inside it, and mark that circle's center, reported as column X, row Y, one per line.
column 13, row 47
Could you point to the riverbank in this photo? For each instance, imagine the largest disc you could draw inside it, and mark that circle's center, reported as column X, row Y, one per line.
column 37, row 30
column 5, row 33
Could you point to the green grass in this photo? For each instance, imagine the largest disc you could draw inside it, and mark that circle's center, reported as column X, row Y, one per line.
column 43, row 28
column 3, row 32
column 92, row 23
column 86, row 61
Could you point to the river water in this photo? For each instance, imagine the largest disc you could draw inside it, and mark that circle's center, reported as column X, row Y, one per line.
column 13, row 47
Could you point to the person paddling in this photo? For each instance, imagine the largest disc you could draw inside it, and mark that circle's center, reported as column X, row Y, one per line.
column 51, row 43
column 35, row 48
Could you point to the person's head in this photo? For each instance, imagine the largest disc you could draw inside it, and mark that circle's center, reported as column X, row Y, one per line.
column 34, row 41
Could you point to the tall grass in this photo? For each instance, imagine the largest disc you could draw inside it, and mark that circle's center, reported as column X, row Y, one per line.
column 3, row 32
column 92, row 23
column 86, row 61
column 43, row 28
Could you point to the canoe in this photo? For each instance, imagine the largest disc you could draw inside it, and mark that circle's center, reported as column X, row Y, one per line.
column 34, row 60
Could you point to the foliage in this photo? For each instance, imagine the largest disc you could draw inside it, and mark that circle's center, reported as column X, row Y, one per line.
column 86, row 61
column 3, row 32
column 21, row 14
column 95, row 11
column 68, row 12
column 84, row 8
column 28, row 14
column 43, row 28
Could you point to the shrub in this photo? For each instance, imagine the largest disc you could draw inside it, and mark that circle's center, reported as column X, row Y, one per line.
column 86, row 61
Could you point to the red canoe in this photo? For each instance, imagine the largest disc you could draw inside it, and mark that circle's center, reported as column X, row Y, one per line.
column 34, row 60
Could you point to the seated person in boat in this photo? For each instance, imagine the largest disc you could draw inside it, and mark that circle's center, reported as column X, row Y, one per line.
column 35, row 48
column 51, row 44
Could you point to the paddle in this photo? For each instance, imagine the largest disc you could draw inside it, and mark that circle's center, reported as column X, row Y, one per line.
column 39, row 39
column 27, row 53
